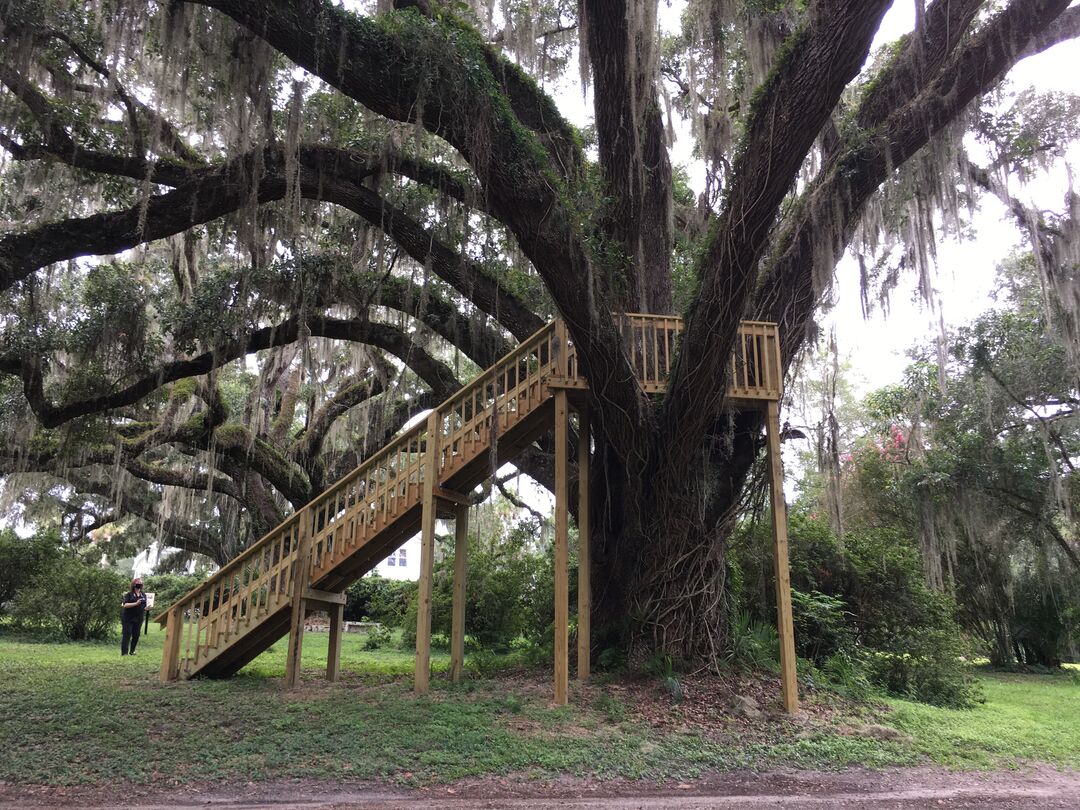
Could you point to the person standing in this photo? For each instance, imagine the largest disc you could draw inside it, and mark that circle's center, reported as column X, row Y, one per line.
column 131, row 617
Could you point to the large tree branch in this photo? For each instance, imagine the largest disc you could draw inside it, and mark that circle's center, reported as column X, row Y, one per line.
column 633, row 152
column 918, row 62
column 387, row 64
column 389, row 338
column 308, row 445
column 328, row 174
column 185, row 479
column 790, row 109
column 829, row 209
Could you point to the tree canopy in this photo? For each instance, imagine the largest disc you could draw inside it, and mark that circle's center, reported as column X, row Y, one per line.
column 245, row 242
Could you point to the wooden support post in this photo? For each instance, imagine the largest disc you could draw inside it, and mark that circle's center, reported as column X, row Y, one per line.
column 333, row 652
column 299, row 603
column 584, row 588
column 170, row 658
column 457, row 626
column 785, row 626
column 562, row 543
column 422, row 678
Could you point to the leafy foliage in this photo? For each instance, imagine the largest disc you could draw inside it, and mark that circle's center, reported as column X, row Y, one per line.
column 80, row 600
column 22, row 560
column 378, row 599
column 509, row 593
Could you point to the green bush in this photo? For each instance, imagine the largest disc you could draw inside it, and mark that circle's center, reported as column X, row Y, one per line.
column 930, row 670
column 377, row 638
column 846, row 674
column 378, row 599
column 821, row 626
column 754, row 644
column 80, row 600
column 509, row 595
column 22, row 559
column 862, row 611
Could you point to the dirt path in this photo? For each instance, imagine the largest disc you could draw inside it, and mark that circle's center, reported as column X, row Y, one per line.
column 1035, row 787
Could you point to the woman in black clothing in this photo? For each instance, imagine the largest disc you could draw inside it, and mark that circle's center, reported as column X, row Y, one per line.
column 131, row 617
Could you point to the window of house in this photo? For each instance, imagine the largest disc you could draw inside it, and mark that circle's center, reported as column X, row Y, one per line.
column 401, row 556
column 390, row 560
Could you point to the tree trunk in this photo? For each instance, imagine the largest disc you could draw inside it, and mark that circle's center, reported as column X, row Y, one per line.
column 663, row 552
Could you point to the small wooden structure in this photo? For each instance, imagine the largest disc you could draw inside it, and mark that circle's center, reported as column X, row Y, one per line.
column 306, row 563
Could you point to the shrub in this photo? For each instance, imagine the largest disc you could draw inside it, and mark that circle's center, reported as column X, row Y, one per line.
column 22, row 559
column 754, row 644
column 379, row 599
column 861, row 611
column 930, row 670
column 847, row 675
column 80, row 600
column 509, row 595
column 821, row 626
column 377, row 638
column 482, row 663
column 611, row 659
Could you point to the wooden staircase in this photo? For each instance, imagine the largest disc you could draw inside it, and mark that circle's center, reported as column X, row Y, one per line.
column 314, row 555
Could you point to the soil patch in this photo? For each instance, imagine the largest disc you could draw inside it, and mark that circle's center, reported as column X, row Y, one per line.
column 1034, row 787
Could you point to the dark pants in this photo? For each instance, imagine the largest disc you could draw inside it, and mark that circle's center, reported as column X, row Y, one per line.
column 132, row 626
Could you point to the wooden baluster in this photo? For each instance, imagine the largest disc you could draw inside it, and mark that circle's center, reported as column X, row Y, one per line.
column 654, row 342
column 561, row 350
column 759, row 380
column 192, row 627
column 777, row 385
column 422, row 677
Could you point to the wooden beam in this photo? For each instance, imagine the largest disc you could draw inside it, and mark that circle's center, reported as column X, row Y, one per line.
column 450, row 496
column 326, row 597
column 584, row 593
column 785, row 625
column 333, row 652
column 170, row 658
column 457, row 627
column 422, row 678
column 299, row 604
column 562, row 544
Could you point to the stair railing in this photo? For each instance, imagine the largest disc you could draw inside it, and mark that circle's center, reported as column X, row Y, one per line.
column 262, row 579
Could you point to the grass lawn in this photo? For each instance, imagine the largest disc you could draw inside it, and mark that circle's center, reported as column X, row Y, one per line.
column 1025, row 717
column 79, row 713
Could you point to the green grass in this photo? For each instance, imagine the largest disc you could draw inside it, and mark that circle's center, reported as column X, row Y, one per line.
column 79, row 713
column 1025, row 717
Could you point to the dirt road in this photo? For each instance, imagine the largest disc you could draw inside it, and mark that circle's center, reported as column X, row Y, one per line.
column 910, row 788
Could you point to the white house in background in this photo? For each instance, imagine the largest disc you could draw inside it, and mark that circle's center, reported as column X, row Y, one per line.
column 404, row 563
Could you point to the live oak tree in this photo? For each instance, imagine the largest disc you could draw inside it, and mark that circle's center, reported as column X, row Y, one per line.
column 313, row 222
